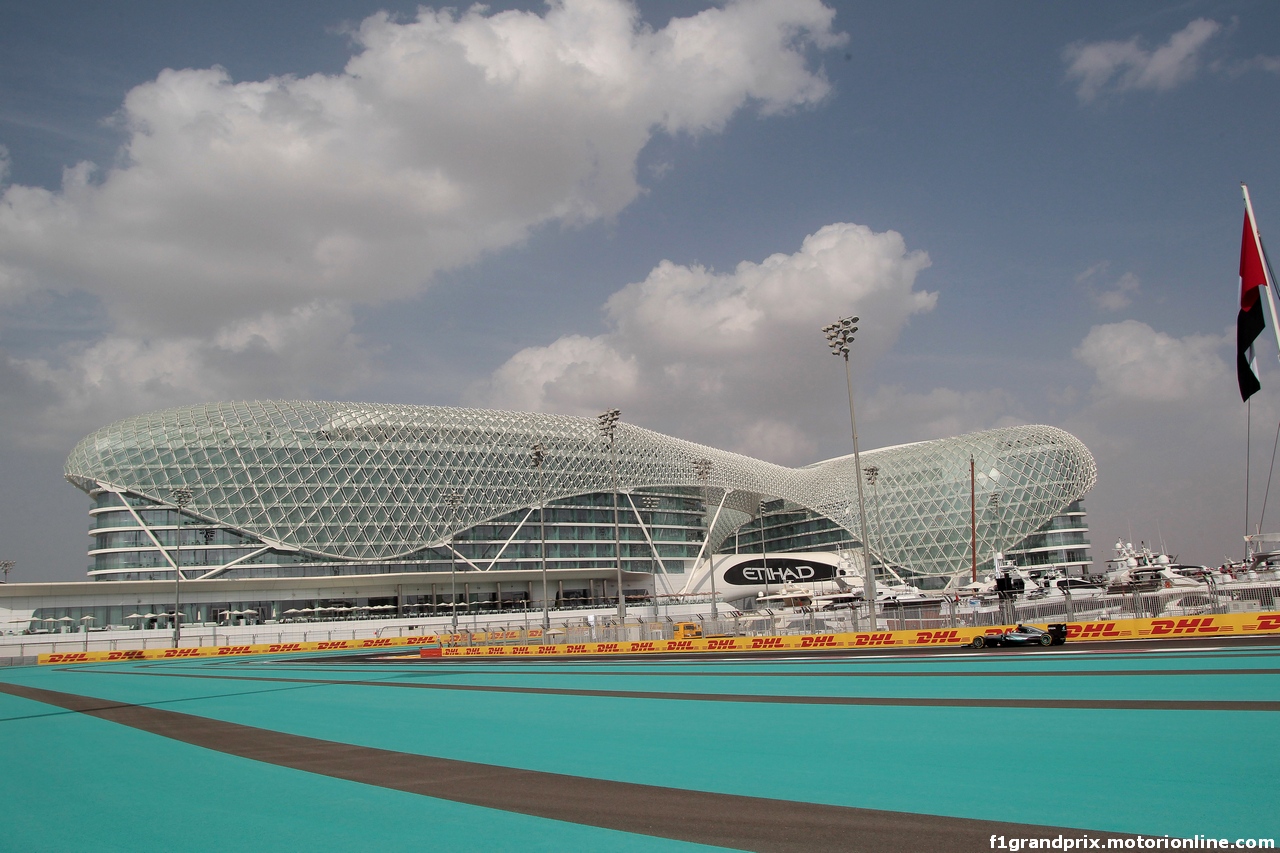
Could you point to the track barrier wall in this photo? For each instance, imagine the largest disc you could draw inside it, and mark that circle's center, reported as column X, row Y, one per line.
column 500, row 643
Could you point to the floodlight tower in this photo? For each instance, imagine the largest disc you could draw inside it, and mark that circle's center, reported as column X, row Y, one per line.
column 702, row 467
column 538, row 455
column 6, row 566
column 454, row 499
column 180, row 498
column 839, row 337
column 607, row 423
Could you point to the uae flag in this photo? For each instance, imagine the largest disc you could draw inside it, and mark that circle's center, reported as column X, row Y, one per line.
column 1249, row 322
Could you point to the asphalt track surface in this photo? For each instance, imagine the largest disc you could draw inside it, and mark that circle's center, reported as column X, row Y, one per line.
column 880, row 751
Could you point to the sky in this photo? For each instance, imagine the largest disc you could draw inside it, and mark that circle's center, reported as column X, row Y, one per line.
column 586, row 204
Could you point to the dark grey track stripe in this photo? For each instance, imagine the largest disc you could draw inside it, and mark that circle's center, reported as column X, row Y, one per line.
column 895, row 701
column 725, row 820
column 516, row 670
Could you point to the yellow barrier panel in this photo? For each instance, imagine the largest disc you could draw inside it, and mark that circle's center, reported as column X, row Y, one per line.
column 1231, row 624
column 234, row 651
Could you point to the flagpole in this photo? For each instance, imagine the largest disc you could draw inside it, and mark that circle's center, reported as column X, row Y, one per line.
column 1266, row 267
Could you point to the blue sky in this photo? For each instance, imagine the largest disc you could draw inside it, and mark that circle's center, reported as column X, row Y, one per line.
column 1034, row 207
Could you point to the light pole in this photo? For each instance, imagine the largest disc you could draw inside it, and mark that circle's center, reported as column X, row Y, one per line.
column 839, row 337
column 6, row 566
column 764, row 551
column 873, row 474
column 538, row 454
column 180, row 497
column 702, row 467
column 650, row 503
column 454, row 499
column 607, row 423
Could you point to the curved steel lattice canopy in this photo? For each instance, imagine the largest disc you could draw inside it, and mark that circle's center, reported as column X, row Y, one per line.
column 371, row 482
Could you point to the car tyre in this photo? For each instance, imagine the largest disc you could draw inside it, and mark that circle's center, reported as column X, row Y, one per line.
column 978, row 642
column 1046, row 640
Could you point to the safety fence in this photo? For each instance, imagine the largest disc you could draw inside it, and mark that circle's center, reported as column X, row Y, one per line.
column 645, row 626
column 519, row 643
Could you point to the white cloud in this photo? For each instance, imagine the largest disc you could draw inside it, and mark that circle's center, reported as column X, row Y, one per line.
column 1118, row 296
column 940, row 412
column 737, row 355
column 445, row 137
column 244, row 219
column 290, row 354
column 1125, row 65
column 1134, row 363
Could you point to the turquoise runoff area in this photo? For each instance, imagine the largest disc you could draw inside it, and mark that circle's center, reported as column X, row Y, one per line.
column 73, row 778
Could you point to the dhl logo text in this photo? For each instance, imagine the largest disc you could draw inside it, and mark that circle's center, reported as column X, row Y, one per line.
column 1093, row 631
column 331, row 644
column 1199, row 625
column 576, row 648
column 285, row 647
column 68, row 657
column 607, row 647
column 821, row 641
column 881, row 639
column 132, row 654
column 930, row 638
column 721, row 645
column 680, row 645
column 235, row 650
column 1268, row 622
column 365, row 644
column 643, row 647
column 766, row 642
column 183, row 653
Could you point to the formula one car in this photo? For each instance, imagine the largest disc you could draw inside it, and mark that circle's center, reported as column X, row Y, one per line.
column 1023, row 635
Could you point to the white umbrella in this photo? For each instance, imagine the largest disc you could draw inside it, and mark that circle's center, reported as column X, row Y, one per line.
column 135, row 616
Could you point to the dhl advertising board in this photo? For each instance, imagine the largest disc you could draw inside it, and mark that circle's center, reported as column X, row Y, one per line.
column 487, row 645
column 1235, row 624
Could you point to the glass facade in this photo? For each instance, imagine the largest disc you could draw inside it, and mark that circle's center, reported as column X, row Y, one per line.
column 311, row 488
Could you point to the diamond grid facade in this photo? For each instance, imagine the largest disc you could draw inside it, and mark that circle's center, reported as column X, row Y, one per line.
column 359, row 483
